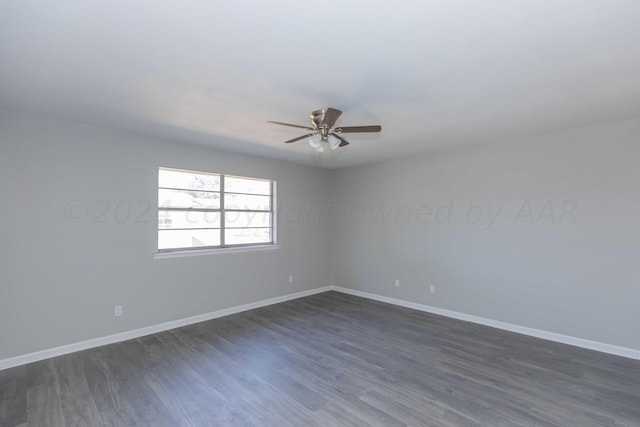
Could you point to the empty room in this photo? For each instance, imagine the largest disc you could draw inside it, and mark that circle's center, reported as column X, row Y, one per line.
column 347, row 213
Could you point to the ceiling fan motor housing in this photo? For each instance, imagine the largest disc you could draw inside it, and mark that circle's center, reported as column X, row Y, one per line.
column 317, row 116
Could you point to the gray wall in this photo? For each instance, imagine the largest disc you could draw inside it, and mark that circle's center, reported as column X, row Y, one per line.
column 576, row 273
column 60, row 280
column 485, row 225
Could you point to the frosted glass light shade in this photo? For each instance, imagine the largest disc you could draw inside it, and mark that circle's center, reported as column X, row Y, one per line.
column 316, row 142
column 334, row 142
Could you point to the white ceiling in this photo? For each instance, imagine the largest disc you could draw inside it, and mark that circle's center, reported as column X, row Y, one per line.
column 434, row 74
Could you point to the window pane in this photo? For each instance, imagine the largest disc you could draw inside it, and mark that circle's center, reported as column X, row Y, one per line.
column 188, row 180
column 188, row 199
column 246, row 202
column 241, row 236
column 187, row 219
column 190, row 214
column 171, row 239
column 243, row 185
column 247, row 219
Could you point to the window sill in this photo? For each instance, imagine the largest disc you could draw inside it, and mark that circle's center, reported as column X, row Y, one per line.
column 181, row 254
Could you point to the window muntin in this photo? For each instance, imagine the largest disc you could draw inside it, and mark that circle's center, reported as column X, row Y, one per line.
column 236, row 184
column 242, row 202
column 188, row 199
column 198, row 210
column 187, row 219
column 240, row 219
column 244, row 236
column 181, row 179
column 171, row 240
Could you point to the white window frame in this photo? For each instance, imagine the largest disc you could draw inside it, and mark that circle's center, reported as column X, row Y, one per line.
column 223, row 247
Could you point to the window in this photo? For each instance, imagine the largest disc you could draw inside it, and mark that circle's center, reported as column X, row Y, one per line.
column 198, row 210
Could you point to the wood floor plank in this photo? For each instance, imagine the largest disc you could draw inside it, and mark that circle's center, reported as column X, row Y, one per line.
column 326, row 360
column 43, row 391
column 78, row 407
column 13, row 396
column 115, row 374
column 244, row 382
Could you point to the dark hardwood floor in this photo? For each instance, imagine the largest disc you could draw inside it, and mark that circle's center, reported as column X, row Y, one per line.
column 326, row 360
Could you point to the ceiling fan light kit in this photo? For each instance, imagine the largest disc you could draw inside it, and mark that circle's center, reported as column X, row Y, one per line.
column 316, row 142
column 334, row 142
column 322, row 122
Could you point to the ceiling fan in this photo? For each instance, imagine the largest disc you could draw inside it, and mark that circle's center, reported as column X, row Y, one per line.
column 322, row 122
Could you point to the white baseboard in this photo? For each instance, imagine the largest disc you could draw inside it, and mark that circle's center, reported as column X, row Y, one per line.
column 135, row 333
column 551, row 336
column 123, row 336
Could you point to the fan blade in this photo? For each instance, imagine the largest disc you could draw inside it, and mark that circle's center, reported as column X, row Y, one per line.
column 330, row 117
column 353, row 129
column 289, row 124
column 343, row 141
column 299, row 138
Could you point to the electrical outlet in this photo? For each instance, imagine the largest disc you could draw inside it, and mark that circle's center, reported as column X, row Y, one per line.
column 397, row 283
column 117, row 310
column 432, row 289
column 291, row 278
